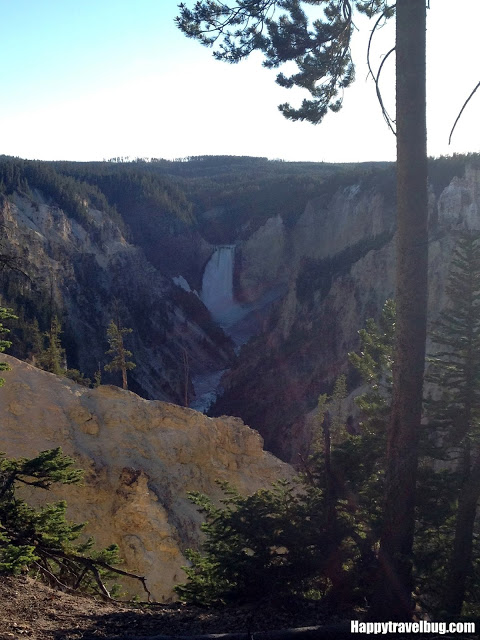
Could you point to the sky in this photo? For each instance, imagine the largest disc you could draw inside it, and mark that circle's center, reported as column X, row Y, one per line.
column 97, row 79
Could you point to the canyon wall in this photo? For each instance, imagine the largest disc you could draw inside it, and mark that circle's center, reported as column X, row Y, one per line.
column 341, row 265
column 86, row 272
column 140, row 458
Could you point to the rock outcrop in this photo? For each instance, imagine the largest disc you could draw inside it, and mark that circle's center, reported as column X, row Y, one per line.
column 342, row 266
column 262, row 264
column 85, row 271
column 140, row 459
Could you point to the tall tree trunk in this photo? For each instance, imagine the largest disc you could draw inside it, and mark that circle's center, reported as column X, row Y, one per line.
column 460, row 564
column 393, row 595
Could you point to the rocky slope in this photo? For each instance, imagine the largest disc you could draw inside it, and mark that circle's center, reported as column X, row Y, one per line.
column 86, row 272
column 140, row 458
column 341, row 261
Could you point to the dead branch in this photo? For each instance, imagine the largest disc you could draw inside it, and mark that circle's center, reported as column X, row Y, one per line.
column 92, row 565
column 376, row 77
column 388, row 119
column 461, row 111
column 329, row 632
column 98, row 580
column 51, row 576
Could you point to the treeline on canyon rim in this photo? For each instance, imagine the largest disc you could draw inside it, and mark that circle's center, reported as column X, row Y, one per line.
column 154, row 195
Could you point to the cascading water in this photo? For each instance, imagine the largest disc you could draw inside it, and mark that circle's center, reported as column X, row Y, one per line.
column 217, row 286
column 238, row 321
column 217, row 296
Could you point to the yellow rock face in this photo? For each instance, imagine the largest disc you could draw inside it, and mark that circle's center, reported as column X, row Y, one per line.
column 140, row 459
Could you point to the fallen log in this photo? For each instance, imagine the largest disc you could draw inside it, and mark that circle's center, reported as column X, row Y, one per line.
column 339, row 631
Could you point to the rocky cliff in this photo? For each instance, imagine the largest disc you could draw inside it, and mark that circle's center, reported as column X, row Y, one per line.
column 140, row 458
column 85, row 271
column 341, row 257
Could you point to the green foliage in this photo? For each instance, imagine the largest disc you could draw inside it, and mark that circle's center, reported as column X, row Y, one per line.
column 374, row 363
column 118, row 352
column 333, row 405
column 349, row 464
column 26, row 533
column 434, row 530
column 283, row 32
column 43, row 540
column 78, row 377
column 71, row 195
column 97, row 378
column 5, row 314
column 273, row 541
column 454, row 414
column 338, row 415
column 455, row 367
column 53, row 356
column 317, row 535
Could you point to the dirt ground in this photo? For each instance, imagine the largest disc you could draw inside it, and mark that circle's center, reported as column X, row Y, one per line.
column 31, row 610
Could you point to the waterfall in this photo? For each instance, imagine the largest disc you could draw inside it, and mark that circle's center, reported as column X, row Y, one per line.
column 240, row 322
column 217, row 286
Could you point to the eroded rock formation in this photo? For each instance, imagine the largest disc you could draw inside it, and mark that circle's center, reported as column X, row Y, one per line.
column 341, row 256
column 140, row 458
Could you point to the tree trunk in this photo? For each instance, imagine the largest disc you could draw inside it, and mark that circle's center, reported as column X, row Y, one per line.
column 460, row 564
column 392, row 600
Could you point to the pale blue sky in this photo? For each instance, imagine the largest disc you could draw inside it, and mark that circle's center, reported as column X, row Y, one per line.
column 101, row 78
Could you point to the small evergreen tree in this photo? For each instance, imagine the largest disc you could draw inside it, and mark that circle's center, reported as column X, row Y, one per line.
column 117, row 350
column 35, row 340
column 5, row 314
column 374, row 363
column 42, row 540
column 78, row 377
column 53, row 356
column 97, row 376
column 455, row 411
column 273, row 542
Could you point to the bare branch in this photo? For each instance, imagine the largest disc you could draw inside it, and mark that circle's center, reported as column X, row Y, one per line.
column 92, row 565
column 388, row 119
column 127, row 574
column 461, row 111
column 98, row 580
column 376, row 77
column 51, row 576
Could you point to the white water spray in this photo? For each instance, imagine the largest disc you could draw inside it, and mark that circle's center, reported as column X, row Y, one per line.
column 217, row 286
column 240, row 322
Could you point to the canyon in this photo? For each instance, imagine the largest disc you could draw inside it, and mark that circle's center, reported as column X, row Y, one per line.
column 245, row 309
column 245, row 281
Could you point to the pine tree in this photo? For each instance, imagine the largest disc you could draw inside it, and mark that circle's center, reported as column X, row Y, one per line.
column 455, row 370
column 53, row 357
column 36, row 340
column 5, row 314
column 273, row 542
column 374, row 363
column 320, row 48
column 117, row 349
column 42, row 540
